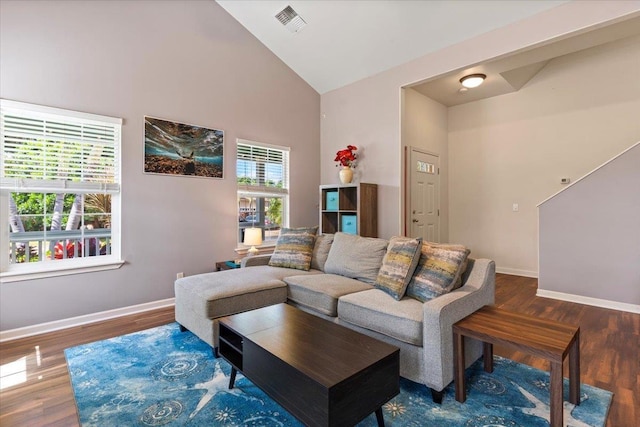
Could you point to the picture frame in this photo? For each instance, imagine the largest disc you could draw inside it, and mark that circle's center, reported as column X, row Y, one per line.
column 181, row 149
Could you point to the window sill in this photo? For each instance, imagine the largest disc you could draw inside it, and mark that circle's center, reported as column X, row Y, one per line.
column 55, row 271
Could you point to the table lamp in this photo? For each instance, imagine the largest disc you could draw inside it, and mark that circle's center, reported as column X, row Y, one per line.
column 253, row 237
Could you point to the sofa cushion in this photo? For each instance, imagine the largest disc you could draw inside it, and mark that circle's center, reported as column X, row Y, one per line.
column 294, row 248
column 321, row 251
column 377, row 311
column 321, row 291
column 398, row 265
column 439, row 270
column 356, row 257
column 212, row 295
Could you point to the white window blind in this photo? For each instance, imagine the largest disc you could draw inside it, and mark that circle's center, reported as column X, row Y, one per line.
column 53, row 150
column 262, row 169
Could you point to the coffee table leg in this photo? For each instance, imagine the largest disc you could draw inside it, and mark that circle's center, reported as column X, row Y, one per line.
column 232, row 378
column 556, row 394
column 458, row 357
column 488, row 356
column 379, row 417
column 574, row 371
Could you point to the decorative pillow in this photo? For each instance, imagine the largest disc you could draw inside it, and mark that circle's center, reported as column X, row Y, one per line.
column 462, row 271
column 356, row 257
column 439, row 269
column 321, row 251
column 398, row 265
column 294, row 248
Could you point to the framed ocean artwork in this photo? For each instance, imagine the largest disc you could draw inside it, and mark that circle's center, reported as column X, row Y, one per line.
column 172, row 148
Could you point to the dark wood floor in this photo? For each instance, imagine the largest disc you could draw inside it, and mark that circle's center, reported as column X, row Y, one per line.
column 609, row 352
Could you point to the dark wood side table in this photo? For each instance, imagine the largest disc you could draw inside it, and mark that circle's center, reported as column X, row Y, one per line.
column 226, row 265
column 547, row 339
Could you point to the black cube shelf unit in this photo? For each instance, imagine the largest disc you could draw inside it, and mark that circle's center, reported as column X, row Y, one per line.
column 350, row 208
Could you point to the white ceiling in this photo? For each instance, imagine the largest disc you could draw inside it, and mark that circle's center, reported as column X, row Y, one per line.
column 345, row 41
column 510, row 73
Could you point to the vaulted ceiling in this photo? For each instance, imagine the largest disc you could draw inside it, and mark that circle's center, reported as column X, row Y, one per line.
column 344, row 41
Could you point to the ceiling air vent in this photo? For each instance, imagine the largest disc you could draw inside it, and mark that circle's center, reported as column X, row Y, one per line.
column 290, row 19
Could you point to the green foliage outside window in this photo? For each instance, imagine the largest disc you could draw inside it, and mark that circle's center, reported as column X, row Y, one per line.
column 274, row 212
column 245, row 180
column 36, row 209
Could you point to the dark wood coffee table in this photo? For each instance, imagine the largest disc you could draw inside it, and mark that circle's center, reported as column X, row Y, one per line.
column 322, row 373
column 548, row 339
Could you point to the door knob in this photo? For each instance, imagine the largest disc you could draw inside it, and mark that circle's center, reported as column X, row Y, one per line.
column 414, row 220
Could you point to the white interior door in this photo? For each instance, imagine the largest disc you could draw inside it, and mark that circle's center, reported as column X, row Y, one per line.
column 424, row 194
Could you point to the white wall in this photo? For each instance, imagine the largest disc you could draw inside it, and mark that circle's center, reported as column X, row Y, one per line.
column 187, row 61
column 367, row 117
column 590, row 235
column 576, row 113
column 368, row 113
column 425, row 126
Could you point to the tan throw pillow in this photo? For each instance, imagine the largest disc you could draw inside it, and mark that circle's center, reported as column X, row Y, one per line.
column 398, row 265
column 356, row 257
column 294, row 248
column 321, row 251
column 439, row 270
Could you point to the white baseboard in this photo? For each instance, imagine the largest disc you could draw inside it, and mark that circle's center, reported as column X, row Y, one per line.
column 597, row 302
column 517, row 272
column 56, row 325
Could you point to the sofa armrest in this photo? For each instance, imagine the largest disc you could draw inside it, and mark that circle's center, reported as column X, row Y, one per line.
column 252, row 261
column 442, row 312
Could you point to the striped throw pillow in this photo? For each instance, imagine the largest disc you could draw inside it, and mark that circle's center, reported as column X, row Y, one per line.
column 398, row 265
column 439, row 270
column 294, row 248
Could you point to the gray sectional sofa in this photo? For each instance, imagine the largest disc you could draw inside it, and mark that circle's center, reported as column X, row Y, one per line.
column 339, row 287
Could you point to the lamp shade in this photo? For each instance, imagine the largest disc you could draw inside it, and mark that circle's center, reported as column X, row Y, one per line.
column 252, row 236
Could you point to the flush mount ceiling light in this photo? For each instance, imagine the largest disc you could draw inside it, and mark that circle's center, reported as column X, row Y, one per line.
column 290, row 19
column 473, row 80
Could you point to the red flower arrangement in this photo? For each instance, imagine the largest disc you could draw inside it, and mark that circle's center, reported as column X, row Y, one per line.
column 347, row 157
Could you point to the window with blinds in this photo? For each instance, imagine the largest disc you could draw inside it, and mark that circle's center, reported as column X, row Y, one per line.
column 60, row 178
column 262, row 172
column 52, row 150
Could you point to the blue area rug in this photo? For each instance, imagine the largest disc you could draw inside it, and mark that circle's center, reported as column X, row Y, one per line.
column 162, row 376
